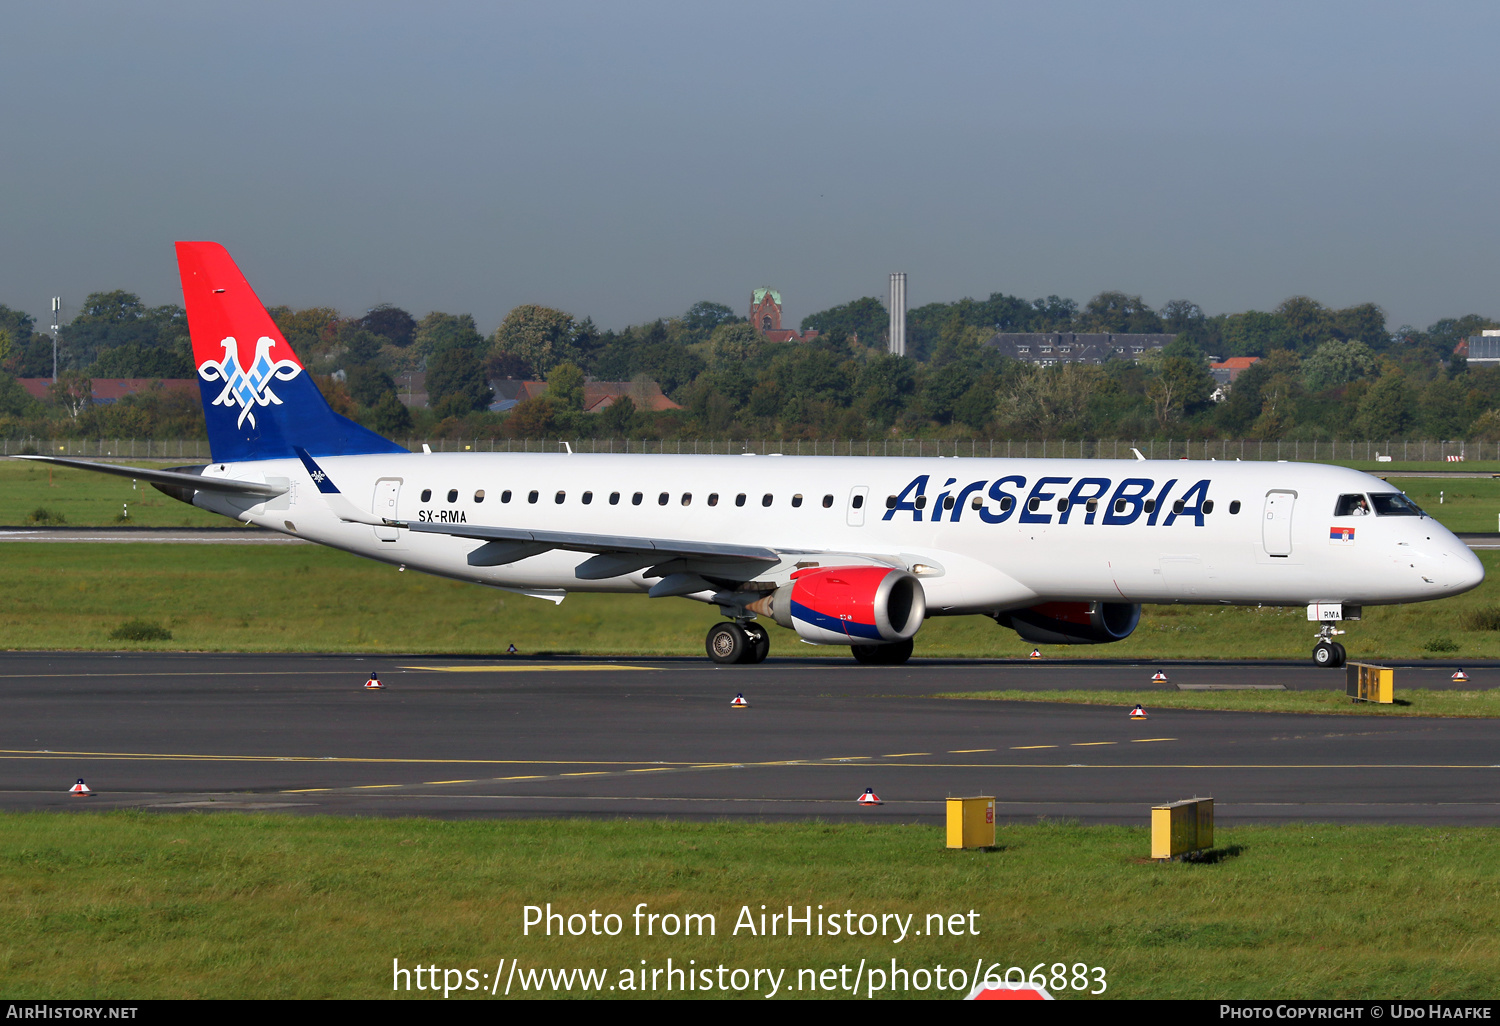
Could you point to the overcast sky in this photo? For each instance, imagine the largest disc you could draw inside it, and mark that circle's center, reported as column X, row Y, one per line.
column 623, row 160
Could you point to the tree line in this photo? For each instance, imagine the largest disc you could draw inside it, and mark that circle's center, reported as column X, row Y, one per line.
column 1323, row 373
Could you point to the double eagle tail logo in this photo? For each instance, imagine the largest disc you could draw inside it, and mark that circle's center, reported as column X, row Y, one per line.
column 247, row 389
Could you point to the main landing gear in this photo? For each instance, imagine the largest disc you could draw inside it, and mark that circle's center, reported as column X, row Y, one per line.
column 1328, row 652
column 737, row 643
column 883, row 655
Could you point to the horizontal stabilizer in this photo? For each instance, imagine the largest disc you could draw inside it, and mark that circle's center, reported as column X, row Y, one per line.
column 174, row 478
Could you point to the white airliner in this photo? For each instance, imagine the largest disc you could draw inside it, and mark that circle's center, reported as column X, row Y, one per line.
column 854, row 551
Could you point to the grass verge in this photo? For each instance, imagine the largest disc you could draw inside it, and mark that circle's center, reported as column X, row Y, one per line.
column 312, row 599
column 1414, row 702
column 134, row 905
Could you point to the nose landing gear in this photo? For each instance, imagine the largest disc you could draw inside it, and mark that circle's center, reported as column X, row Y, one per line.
column 1329, row 653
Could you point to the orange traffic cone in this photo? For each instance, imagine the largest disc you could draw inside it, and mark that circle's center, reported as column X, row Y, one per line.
column 1036, row 653
column 1158, row 677
column 81, row 789
column 870, row 797
column 1138, row 713
column 373, row 684
column 1460, row 677
column 739, row 702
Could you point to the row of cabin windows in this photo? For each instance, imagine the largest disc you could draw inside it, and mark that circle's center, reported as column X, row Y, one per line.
column 1034, row 504
column 636, row 499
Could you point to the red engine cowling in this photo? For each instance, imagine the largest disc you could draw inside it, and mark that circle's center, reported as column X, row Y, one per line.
column 848, row 605
column 1073, row 623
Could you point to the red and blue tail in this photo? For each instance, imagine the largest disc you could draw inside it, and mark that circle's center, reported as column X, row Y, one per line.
column 259, row 401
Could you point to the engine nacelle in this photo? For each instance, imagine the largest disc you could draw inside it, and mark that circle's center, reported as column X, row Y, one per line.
column 848, row 605
column 1073, row 623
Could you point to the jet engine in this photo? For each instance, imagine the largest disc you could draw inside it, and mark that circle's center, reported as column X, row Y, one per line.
column 1073, row 623
column 848, row 605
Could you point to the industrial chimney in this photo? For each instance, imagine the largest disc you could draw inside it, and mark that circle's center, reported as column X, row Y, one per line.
column 898, row 314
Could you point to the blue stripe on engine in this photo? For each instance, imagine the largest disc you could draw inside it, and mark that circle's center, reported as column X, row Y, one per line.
column 864, row 631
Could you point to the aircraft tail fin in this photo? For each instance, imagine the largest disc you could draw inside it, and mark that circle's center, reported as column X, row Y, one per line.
column 259, row 401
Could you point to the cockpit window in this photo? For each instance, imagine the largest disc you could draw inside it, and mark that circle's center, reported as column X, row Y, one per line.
column 1394, row 504
column 1351, row 506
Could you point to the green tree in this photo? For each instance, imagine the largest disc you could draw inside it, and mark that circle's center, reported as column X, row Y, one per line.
column 368, row 384
column 618, row 419
column 884, row 387
column 456, row 382
column 1180, row 384
column 1336, row 362
column 1389, row 409
column 391, row 323
column 439, row 331
column 539, row 335
column 1118, row 312
column 733, row 343
column 565, row 387
column 392, row 418
column 865, row 318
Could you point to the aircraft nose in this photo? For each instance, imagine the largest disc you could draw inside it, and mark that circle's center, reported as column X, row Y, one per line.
column 1467, row 571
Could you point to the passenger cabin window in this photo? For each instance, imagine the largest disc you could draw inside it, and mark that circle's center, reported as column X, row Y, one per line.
column 921, row 502
column 1208, row 506
column 1033, row 504
column 1394, row 504
column 1062, row 505
column 532, row 497
column 426, row 494
column 560, row 497
column 1234, row 508
column 1150, row 505
column 713, row 498
column 890, row 501
column 505, row 495
column 614, row 498
column 1091, row 506
column 479, row 495
column 859, row 502
column 1351, row 506
column 827, row 501
column 739, row 500
column 687, row 498
column 948, row 502
column 453, row 495
column 1177, row 506
column 1006, row 503
column 661, row 500
column 765, row 500
column 635, row 500
column 796, row 501
column 588, row 497
column 976, row 503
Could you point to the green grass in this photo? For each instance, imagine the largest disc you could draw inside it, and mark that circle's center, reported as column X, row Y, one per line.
column 1409, row 702
column 134, row 905
column 86, row 499
column 312, row 599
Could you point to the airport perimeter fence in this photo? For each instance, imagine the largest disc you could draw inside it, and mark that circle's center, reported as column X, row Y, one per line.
column 1113, row 448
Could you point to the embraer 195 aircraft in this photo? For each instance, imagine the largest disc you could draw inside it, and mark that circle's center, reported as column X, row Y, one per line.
column 854, row 551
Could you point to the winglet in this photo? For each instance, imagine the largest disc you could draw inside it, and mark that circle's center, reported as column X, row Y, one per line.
column 342, row 507
column 1138, row 454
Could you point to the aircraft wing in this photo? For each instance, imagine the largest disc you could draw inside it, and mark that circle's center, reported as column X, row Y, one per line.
column 659, row 548
column 174, row 478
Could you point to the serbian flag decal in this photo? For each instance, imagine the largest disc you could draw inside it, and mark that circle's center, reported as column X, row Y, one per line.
column 1341, row 536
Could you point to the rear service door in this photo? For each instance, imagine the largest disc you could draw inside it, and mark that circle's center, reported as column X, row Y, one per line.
column 858, row 496
column 1276, row 528
column 387, row 492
